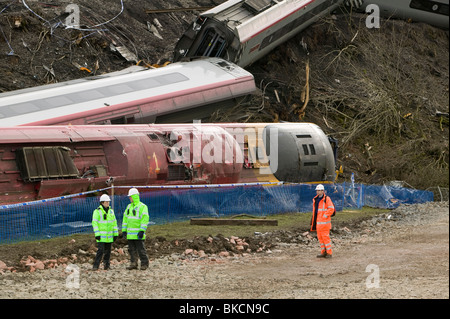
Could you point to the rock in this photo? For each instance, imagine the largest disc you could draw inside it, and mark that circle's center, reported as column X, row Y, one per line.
column 224, row 254
column 39, row 265
column 175, row 256
column 3, row 265
column 188, row 251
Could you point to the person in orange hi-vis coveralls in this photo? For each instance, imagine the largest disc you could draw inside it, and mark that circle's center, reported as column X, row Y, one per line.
column 323, row 209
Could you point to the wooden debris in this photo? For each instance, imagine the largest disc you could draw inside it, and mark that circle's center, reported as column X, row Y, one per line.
column 232, row 222
column 124, row 52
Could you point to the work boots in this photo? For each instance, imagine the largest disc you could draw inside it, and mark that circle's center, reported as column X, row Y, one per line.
column 132, row 266
column 322, row 255
column 144, row 267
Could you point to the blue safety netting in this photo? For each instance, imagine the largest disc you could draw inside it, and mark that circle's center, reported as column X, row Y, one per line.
column 73, row 214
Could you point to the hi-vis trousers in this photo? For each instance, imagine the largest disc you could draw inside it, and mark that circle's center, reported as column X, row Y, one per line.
column 323, row 235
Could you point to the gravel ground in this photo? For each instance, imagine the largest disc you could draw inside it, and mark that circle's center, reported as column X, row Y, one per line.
column 400, row 254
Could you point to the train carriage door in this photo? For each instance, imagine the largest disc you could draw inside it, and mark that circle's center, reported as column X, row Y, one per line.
column 212, row 44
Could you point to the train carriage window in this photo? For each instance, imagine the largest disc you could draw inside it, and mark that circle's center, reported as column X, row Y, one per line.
column 294, row 25
column 311, row 164
column 305, row 149
column 199, row 23
column 312, row 149
column 153, row 137
column 23, row 108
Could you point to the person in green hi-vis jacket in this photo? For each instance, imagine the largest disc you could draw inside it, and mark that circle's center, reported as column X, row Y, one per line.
column 134, row 226
column 104, row 224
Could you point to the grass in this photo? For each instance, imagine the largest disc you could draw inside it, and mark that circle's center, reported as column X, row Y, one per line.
column 286, row 221
column 179, row 230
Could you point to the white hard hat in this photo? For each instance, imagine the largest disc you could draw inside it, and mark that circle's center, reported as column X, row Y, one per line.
column 320, row 187
column 105, row 198
column 133, row 191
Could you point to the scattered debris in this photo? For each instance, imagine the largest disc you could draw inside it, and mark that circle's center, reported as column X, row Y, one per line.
column 85, row 69
column 152, row 28
column 234, row 222
column 124, row 52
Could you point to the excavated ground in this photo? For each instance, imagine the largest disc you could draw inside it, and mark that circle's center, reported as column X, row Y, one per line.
column 401, row 254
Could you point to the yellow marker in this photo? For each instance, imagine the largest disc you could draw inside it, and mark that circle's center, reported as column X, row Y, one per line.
column 156, row 162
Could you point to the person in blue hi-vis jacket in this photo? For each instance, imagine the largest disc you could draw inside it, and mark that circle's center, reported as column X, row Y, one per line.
column 134, row 226
column 106, row 232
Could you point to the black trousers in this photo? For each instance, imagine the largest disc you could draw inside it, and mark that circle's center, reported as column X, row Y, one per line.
column 104, row 250
column 137, row 249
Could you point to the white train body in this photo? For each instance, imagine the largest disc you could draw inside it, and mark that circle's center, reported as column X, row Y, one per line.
column 178, row 92
column 242, row 31
column 434, row 12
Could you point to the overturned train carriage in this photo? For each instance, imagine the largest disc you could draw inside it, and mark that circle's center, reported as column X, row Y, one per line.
column 242, row 31
column 175, row 93
column 42, row 162
column 433, row 12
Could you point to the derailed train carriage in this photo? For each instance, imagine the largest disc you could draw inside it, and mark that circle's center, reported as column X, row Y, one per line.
column 38, row 162
column 433, row 12
column 242, row 31
column 176, row 93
